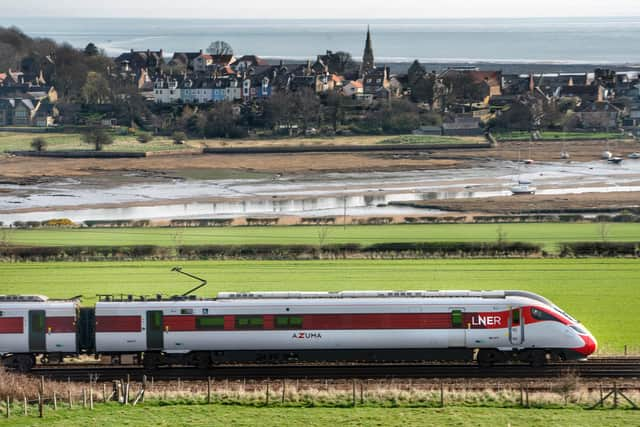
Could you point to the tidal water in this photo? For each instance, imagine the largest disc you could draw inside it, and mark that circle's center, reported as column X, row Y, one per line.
column 540, row 40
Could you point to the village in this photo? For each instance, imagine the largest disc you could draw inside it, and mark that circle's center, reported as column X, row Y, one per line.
column 214, row 93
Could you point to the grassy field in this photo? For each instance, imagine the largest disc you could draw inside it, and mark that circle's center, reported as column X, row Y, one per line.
column 550, row 135
column 603, row 293
column 431, row 139
column 10, row 141
column 548, row 235
column 221, row 415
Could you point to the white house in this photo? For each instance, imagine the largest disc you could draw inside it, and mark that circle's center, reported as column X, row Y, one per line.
column 166, row 90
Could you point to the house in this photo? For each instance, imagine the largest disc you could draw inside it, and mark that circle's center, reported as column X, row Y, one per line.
column 206, row 62
column 24, row 112
column 599, row 116
column 353, row 88
column 184, row 59
column 249, row 61
column 376, row 83
column 491, row 81
column 166, row 90
column 134, row 61
column 587, row 93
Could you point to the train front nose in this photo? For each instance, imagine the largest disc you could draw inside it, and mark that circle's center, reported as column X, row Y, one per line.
column 590, row 345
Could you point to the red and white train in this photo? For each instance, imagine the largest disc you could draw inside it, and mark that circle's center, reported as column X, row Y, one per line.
column 486, row 326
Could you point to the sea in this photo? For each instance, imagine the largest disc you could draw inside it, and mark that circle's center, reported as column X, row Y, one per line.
column 518, row 41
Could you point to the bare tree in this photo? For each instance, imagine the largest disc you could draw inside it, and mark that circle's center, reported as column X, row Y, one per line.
column 502, row 235
column 220, row 48
column 39, row 144
column 604, row 229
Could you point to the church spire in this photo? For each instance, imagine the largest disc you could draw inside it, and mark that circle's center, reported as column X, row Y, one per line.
column 367, row 58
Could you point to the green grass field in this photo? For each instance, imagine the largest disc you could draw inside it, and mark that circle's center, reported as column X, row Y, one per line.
column 222, row 415
column 603, row 293
column 548, row 235
column 551, row 135
column 10, row 141
column 431, row 139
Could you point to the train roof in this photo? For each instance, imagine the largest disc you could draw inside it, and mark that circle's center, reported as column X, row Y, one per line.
column 384, row 294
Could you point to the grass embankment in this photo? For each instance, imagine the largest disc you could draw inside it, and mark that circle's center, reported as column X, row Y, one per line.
column 222, row 415
column 432, row 139
column 21, row 141
column 547, row 235
column 73, row 141
column 550, row 136
column 602, row 293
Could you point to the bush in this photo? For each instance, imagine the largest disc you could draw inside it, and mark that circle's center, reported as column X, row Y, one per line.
column 143, row 138
column 179, row 138
column 39, row 144
column 600, row 249
column 58, row 222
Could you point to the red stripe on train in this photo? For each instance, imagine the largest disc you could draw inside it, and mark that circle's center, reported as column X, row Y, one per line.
column 61, row 324
column 11, row 325
column 118, row 324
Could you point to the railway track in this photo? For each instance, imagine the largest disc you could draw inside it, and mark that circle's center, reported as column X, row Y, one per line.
column 598, row 368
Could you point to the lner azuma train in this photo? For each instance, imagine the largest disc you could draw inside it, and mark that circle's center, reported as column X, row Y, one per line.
column 275, row 327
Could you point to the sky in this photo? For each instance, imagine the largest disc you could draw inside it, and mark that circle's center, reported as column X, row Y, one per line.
column 332, row 9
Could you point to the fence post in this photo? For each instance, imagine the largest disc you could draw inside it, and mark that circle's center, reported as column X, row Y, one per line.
column 526, row 395
column 144, row 387
column 353, row 391
column 284, row 385
column 601, row 396
column 91, row 396
column 521, row 395
column 615, row 395
column 208, row 390
column 69, row 398
column 8, row 407
column 441, row 394
column 267, row 396
column 26, row 405
column 55, row 401
column 361, row 393
column 84, row 398
column 40, row 406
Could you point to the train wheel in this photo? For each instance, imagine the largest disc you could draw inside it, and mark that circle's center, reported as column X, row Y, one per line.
column 538, row 358
column 486, row 358
column 20, row 362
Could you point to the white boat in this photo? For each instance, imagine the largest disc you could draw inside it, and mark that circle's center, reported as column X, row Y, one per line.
column 634, row 156
column 523, row 188
column 616, row 160
column 606, row 155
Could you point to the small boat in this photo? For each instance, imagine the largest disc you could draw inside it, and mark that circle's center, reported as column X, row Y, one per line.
column 606, row 155
column 616, row 160
column 523, row 188
column 634, row 156
column 528, row 161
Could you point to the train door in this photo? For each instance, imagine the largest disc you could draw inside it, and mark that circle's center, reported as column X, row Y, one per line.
column 516, row 326
column 457, row 332
column 155, row 333
column 37, row 332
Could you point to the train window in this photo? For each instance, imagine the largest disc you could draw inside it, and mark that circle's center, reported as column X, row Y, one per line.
column 288, row 322
column 0, row 313
column 515, row 316
column 186, row 311
column 456, row 318
column 209, row 322
column 541, row 315
column 249, row 322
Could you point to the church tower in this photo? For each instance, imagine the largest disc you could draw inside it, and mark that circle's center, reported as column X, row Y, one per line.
column 367, row 58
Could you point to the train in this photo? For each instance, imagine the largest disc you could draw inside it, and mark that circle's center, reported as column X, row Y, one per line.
column 486, row 327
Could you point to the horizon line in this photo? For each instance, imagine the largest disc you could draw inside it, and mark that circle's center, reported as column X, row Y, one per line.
column 323, row 19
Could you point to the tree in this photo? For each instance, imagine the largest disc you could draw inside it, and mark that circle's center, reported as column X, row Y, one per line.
column 96, row 89
column 278, row 110
column 179, row 137
column 220, row 48
column 422, row 89
column 307, row 107
column 39, row 144
column 91, row 50
column 97, row 137
column 340, row 62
